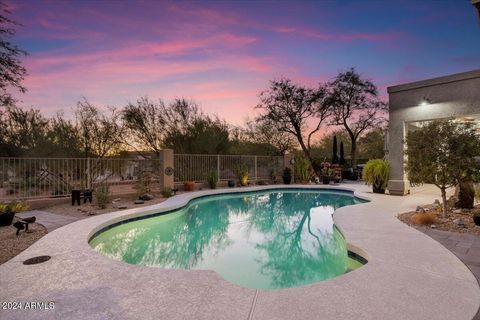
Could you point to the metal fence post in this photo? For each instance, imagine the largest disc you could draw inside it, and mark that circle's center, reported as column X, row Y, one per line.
column 88, row 174
column 218, row 167
column 256, row 169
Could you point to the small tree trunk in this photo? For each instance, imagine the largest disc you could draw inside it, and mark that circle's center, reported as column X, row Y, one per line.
column 444, row 199
column 353, row 153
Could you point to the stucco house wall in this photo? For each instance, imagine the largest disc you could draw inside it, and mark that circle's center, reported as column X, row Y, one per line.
column 456, row 95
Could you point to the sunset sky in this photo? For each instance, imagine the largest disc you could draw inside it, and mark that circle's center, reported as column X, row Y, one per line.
column 222, row 54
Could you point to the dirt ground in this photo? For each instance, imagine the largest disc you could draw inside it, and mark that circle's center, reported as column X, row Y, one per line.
column 86, row 210
column 447, row 224
column 12, row 245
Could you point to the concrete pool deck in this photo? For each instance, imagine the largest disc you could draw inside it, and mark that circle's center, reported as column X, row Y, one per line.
column 408, row 275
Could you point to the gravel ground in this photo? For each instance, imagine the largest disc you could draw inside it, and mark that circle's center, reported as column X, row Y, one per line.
column 88, row 209
column 448, row 223
column 12, row 245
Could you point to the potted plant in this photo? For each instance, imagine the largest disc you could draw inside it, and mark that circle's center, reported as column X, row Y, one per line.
column 476, row 218
column 189, row 185
column 287, row 175
column 212, row 179
column 337, row 173
column 242, row 174
column 325, row 172
column 376, row 173
column 231, row 183
column 8, row 211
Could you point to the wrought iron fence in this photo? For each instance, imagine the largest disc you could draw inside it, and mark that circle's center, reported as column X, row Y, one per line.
column 28, row 178
column 196, row 167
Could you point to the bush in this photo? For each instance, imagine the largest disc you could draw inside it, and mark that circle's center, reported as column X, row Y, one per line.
column 167, row 192
column 102, row 196
column 212, row 179
column 302, row 169
column 242, row 174
column 144, row 183
column 423, row 218
column 376, row 173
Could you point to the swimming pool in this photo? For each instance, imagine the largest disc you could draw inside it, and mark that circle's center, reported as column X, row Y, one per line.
column 266, row 239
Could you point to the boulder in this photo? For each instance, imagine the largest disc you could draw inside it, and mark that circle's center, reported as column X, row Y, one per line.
column 122, row 207
column 466, row 195
column 138, row 202
column 459, row 222
column 420, row 210
column 146, row 197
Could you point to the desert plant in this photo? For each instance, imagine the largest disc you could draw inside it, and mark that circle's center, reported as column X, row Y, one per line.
column 212, row 179
column 442, row 152
column 8, row 211
column 302, row 169
column 335, row 158
column 423, row 218
column 102, row 196
column 167, row 192
column 242, row 174
column 144, row 183
column 376, row 173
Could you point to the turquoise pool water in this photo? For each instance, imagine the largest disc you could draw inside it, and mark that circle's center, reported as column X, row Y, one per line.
column 264, row 240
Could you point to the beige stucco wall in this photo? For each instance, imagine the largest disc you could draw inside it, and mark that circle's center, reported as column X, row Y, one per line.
column 455, row 95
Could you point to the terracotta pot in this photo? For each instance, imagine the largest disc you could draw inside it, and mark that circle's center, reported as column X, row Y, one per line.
column 476, row 219
column 189, row 185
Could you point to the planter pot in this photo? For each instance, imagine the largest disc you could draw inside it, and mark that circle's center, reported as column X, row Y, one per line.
column 6, row 218
column 346, row 174
column 287, row 179
column 231, row 183
column 326, row 180
column 377, row 189
column 189, row 185
column 476, row 219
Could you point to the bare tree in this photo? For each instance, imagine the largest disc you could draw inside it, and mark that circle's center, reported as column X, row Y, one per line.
column 290, row 107
column 355, row 105
column 266, row 132
column 11, row 70
column 100, row 135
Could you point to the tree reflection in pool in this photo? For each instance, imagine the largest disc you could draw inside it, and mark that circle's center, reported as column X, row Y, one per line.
column 267, row 240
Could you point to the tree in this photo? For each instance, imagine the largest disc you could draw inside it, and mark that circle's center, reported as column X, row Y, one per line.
column 205, row 135
column 442, row 152
column 265, row 133
column 334, row 150
column 99, row 134
column 322, row 149
column 145, row 123
column 355, row 106
column 12, row 72
column 341, row 161
column 372, row 144
column 290, row 106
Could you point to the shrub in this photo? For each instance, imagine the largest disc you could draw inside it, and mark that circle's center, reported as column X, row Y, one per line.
column 376, row 173
column 13, row 207
column 212, row 179
column 144, row 183
column 242, row 174
column 302, row 169
column 102, row 195
column 167, row 192
column 423, row 218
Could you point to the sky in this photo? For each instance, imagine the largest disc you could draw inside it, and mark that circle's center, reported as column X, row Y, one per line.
column 222, row 54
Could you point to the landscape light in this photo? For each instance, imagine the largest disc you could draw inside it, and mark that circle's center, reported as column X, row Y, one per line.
column 425, row 101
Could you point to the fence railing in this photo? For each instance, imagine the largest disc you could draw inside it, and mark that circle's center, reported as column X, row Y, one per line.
column 196, row 167
column 28, row 178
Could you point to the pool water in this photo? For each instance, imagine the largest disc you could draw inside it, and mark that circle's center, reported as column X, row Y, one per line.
column 263, row 240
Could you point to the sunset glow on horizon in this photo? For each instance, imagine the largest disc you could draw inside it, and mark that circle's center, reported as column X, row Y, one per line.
column 223, row 54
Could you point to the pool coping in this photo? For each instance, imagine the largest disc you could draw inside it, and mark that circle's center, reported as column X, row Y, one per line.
column 406, row 271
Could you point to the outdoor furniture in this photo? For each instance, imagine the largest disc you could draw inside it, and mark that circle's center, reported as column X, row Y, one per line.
column 85, row 194
column 23, row 224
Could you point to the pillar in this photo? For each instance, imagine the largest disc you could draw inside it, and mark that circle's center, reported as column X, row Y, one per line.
column 166, row 169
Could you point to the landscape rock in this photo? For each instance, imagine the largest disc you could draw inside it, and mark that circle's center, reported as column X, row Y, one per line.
column 433, row 226
column 122, row 207
column 420, row 210
column 91, row 213
column 116, row 200
column 146, row 197
column 459, row 222
column 138, row 202
column 457, row 211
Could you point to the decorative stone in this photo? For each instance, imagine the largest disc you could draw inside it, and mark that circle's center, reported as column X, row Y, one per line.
column 420, row 210
column 459, row 222
column 457, row 211
column 122, row 207
column 91, row 213
column 433, row 226
column 139, row 202
column 146, row 197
